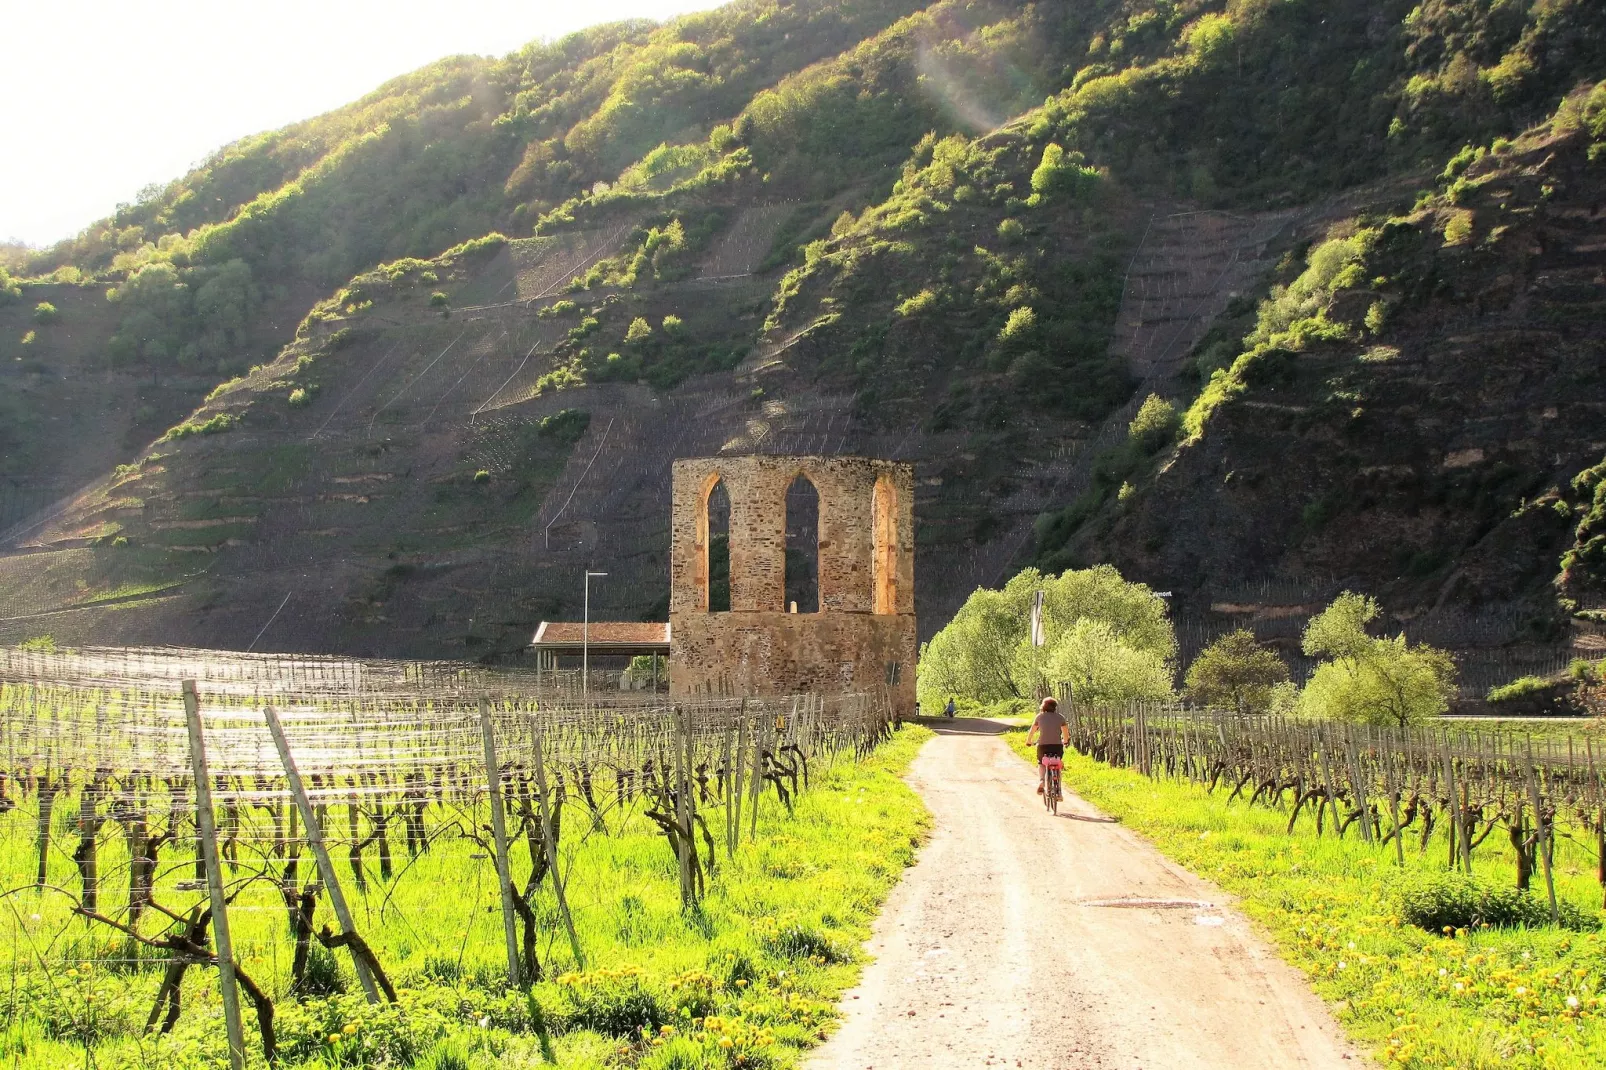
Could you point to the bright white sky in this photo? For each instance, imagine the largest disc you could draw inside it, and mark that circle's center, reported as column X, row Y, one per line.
column 105, row 97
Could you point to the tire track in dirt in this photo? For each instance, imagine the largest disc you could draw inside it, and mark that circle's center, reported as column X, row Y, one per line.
column 1024, row 940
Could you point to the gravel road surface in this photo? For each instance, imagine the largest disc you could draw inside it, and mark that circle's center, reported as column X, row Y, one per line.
column 1020, row 939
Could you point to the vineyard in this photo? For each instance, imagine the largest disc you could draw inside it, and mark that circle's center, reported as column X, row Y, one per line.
column 1399, row 789
column 183, row 832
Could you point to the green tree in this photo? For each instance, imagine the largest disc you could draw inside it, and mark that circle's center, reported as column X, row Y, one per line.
column 1022, row 322
column 1062, row 173
column 974, row 655
column 640, row 330
column 1046, row 177
column 644, row 669
column 45, row 312
column 985, row 653
column 1236, row 671
column 224, row 306
column 9, row 290
column 1135, row 614
column 1339, row 631
column 1103, row 669
column 1155, row 425
column 155, row 305
column 1583, row 566
column 1369, row 680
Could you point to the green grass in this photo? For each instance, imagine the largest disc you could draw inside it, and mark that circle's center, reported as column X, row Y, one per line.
column 207, row 537
column 126, row 592
column 1580, row 728
column 748, row 980
column 1496, row 998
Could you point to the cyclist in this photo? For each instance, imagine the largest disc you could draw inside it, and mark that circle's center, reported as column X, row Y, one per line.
column 1048, row 725
column 948, row 711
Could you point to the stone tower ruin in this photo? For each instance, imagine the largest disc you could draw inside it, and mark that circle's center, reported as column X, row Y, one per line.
column 862, row 636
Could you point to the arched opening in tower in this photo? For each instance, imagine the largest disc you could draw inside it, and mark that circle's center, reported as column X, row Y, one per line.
column 802, row 546
column 718, row 548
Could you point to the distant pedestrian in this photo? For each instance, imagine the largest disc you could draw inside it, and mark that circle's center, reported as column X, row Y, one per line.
column 948, row 710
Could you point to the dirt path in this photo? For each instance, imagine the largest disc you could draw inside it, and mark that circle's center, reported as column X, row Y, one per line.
column 1023, row 940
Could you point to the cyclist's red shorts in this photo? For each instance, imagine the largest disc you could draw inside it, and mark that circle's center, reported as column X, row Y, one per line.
column 1050, row 750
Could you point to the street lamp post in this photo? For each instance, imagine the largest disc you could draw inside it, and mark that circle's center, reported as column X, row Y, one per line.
column 585, row 639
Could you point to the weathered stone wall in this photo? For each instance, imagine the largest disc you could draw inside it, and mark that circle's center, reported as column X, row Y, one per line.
column 783, row 653
column 759, row 648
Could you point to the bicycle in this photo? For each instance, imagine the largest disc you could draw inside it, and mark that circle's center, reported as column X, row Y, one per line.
column 1051, row 783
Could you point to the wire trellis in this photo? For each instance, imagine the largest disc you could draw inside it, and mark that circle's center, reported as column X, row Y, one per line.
column 1385, row 782
column 168, row 809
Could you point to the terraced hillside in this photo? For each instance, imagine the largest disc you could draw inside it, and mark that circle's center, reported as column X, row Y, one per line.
column 1421, row 440
column 435, row 483
column 973, row 234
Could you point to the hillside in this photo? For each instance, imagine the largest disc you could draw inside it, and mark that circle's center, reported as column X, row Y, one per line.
column 971, row 235
column 1410, row 416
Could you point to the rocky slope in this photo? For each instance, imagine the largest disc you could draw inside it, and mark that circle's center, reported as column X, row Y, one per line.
column 1418, row 432
column 974, row 234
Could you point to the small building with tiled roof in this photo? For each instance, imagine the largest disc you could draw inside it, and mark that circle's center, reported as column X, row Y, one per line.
column 603, row 638
column 607, row 646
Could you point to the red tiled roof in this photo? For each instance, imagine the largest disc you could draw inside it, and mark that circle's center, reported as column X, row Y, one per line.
column 602, row 633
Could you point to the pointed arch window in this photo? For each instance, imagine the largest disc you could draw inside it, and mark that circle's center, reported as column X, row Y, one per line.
column 802, row 585
column 713, row 555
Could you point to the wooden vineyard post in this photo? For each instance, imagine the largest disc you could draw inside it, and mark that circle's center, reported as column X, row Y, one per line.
column 1393, row 783
column 49, row 787
column 551, row 845
column 1542, row 830
column 88, row 831
column 726, row 773
column 1142, row 723
column 504, row 876
column 1187, row 749
column 1453, row 811
column 214, row 877
column 1600, row 818
column 320, row 851
column 733, row 834
column 761, row 730
column 1361, row 802
column 683, row 809
column 1465, row 821
column 1327, row 782
column 682, row 821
